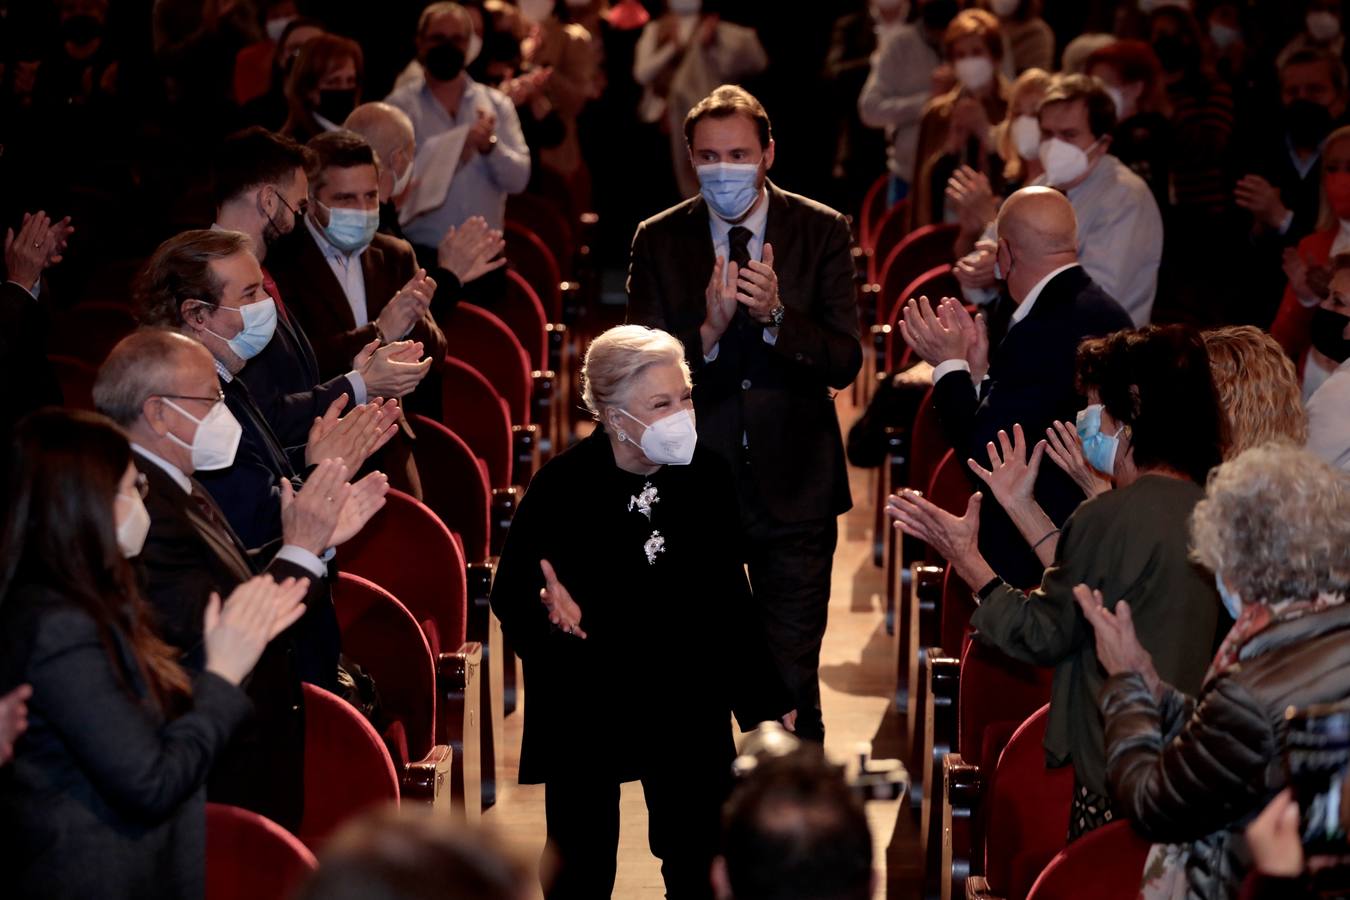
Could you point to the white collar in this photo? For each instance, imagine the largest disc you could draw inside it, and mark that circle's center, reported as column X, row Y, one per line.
column 755, row 222
column 1024, row 308
column 177, row 474
column 325, row 124
column 327, row 248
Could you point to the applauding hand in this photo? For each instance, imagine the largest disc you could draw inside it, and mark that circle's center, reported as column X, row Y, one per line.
column 562, row 609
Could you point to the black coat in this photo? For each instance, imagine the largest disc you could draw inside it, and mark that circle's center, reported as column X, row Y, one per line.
column 777, row 398
column 1031, row 383
column 23, row 356
column 104, row 797
column 185, row 558
column 672, row 645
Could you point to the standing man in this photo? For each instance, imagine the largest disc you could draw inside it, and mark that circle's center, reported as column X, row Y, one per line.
column 758, row 284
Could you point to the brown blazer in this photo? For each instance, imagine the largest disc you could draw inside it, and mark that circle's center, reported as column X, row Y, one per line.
column 314, row 295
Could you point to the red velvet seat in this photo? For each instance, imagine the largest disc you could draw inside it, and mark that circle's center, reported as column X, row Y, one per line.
column 1105, row 864
column 524, row 314
column 348, row 770
column 455, row 485
column 921, row 250
column 484, row 341
column 549, row 222
column 88, row 330
column 76, row 378
column 886, row 234
column 935, row 284
column 536, row 262
column 872, row 209
column 473, row 409
column 248, row 855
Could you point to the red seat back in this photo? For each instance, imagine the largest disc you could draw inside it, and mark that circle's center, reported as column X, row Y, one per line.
column 409, row 552
column 455, row 485
column 1028, row 805
column 248, row 855
column 936, row 283
column 532, row 258
column 873, row 208
column 927, row 444
column 76, row 378
column 473, row 409
column 88, row 330
column 546, row 219
column 922, row 249
column 957, row 606
column 995, row 689
column 382, row 637
column 347, row 768
column 479, row 338
column 1106, row 864
column 524, row 315
column 887, row 234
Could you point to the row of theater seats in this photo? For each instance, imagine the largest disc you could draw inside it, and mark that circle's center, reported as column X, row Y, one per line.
column 992, row 818
column 412, row 597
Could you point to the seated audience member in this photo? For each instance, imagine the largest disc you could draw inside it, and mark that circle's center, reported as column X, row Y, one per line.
column 957, row 127
column 269, row 109
column 1190, row 768
column 1153, row 424
column 1274, row 842
column 1028, row 378
column 633, row 510
column 1257, row 386
column 793, row 830
column 324, row 86
column 412, row 854
column 465, row 253
column 495, row 161
column 1119, row 225
column 262, row 191
column 38, row 245
column 104, row 797
column 1142, row 139
column 1279, row 184
column 347, row 284
column 1322, row 31
column 253, row 65
column 1028, row 42
column 152, row 384
column 198, row 283
column 1329, row 406
column 905, row 75
column 1308, row 267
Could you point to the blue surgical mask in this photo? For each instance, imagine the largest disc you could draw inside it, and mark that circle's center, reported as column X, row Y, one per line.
column 1231, row 601
column 729, row 188
column 351, row 229
column 260, row 321
column 1098, row 449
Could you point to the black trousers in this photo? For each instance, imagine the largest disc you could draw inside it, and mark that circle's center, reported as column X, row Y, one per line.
column 684, row 803
column 790, row 565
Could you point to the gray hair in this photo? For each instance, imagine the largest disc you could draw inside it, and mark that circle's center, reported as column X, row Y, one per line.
column 141, row 366
column 1275, row 521
column 620, row 355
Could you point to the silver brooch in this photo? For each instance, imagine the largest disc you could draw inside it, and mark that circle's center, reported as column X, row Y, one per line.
column 644, row 501
column 655, row 544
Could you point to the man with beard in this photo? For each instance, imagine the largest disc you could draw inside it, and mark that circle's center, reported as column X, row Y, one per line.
column 261, row 190
column 758, row 284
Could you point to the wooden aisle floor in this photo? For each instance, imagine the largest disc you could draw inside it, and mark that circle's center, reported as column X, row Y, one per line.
column 857, row 681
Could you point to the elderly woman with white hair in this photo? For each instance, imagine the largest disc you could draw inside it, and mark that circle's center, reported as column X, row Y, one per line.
column 1190, row 772
column 622, row 588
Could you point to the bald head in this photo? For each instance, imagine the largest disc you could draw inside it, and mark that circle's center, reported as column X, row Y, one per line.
column 390, row 134
column 149, row 363
column 1039, row 222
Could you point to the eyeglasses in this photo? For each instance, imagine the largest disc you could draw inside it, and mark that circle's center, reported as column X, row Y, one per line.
column 299, row 210
column 142, row 485
column 218, row 398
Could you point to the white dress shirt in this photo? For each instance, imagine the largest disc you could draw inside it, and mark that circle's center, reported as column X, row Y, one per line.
column 721, row 238
column 289, row 552
column 1329, row 419
column 347, row 269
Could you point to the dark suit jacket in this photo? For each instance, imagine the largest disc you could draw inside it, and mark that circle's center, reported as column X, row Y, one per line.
column 186, row 557
column 104, row 797
column 23, row 355
column 777, row 398
column 1031, row 382
column 316, row 299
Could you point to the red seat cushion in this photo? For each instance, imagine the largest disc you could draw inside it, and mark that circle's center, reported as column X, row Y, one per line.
column 455, row 485
column 1106, row 864
column 248, row 855
column 347, row 768
column 484, row 341
column 474, row 410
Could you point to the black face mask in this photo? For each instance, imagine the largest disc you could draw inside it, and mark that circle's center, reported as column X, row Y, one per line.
column 444, row 62
column 936, row 15
column 1307, row 123
column 1173, row 52
column 1328, row 334
column 81, row 30
column 337, row 105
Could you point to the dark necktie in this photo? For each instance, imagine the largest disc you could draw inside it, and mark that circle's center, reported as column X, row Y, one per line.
column 738, row 239
column 216, row 519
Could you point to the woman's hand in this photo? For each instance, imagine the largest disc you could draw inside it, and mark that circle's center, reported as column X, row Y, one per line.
column 562, row 609
column 789, row 720
column 14, row 719
column 1118, row 647
column 1066, row 449
column 257, row 611
column 1012, row 476
column 957, row 539
column 1274, row 840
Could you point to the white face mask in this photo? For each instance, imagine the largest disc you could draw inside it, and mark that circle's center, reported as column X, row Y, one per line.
column 1064, row 163
column 1118, row 98
column 685, row 7
column 401, row 182
column 974, row 72
column 475, row 47
column 1223, row 36
column 1004, row 8
column 1026, row 135
column 132, row 528
column 1323, row 26
column 669, row 441
column 217, row 438
column 277, row 27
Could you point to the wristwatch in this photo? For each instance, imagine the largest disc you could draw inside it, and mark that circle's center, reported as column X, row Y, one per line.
column 492, row 143
column 776, row 315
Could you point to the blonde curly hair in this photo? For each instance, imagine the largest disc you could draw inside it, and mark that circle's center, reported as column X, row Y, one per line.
column 618, row 356
column 1275, row 521
column 1258, row 388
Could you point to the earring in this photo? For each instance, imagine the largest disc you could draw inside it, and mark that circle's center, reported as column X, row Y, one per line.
column 623, row 436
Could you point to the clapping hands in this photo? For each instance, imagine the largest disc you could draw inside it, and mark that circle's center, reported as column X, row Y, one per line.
column 563, row 611
column 355, row 436
column 471, row 250
column 39, row 244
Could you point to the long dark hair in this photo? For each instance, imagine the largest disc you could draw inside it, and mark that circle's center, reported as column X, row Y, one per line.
column 58, row 530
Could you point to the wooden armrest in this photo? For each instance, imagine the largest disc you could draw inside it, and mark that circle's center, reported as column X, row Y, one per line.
column 556, row 332
column 571, row 300
column 484, row 628
column 962, row 849
column 541, row 407
column 428, row 780
column 925, row 588
column 504, row 502
column 457, row 677
column 525, row 453
column 942, row 678
column 879, row 335
column 977, row 888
